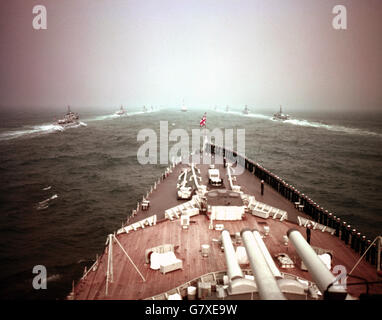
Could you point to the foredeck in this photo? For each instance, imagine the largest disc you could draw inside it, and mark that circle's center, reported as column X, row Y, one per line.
column 127, row 283
column 164, row 196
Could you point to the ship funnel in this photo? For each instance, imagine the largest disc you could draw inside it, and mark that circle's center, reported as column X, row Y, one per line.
column 234, row 270
column 266, row 282
column 320, row 273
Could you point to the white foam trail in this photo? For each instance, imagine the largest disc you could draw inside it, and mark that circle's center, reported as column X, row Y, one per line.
column 42, row 205
column 136, row 113
column 47, row 188
column 54, row 277
column 36, row 130
column 81, row 260
column 257, row 115
column 48, row 128
column 105, row 117
column 250, row 115
column 306, row 123
column 142, row 112
column 47, row 200
column 116, row 116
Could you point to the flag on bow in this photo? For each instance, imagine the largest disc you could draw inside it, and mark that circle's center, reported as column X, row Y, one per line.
column 203, row 120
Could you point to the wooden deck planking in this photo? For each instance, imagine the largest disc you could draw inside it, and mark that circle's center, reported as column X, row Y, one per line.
column 128, row 284
column 163, row 198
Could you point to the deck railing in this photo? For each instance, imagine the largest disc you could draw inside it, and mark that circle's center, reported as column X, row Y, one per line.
column 343, row 230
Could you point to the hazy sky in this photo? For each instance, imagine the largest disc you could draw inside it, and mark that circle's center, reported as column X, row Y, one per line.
column 158, row 52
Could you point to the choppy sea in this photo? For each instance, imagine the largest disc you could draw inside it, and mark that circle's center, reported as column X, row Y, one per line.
column 63, row 191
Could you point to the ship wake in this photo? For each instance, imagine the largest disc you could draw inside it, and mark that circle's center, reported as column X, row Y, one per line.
column 42, row 205
column 306, row 123
column 33, row 131
column 117, row 116
column 30, row 131
column 106, row 117
column 337, row 128
column 249, row 115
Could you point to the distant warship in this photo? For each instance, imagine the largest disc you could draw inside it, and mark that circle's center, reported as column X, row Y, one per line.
column 280, row 115
column 70, row 119
column 121, row 112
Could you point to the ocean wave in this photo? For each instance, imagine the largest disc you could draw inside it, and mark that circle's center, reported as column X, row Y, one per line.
column 48, row 128
column 37, row 130
column 306, row 123
column 253, row 115
column 142, row 112
column 249, row 115
column 32, row 131
column 42, row 205
column 53, row 277
column 137, row 112
column 105, row 117
column 116, row 116
column 337, row 128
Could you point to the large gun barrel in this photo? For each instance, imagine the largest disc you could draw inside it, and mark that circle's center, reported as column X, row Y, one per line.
column 266, row 282
column 234, row 270
column 320, row 273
